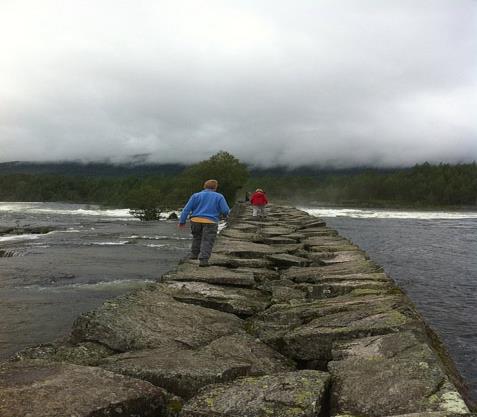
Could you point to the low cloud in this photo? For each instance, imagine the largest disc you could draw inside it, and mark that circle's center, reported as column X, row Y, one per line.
column 325, row 83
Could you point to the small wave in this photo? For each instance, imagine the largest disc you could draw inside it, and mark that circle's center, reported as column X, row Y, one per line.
column 122, row 242
column 152, row 245
column 161, row 237
column 15, row 238
column 389, row 214
column 100, row 285
column 40, row 208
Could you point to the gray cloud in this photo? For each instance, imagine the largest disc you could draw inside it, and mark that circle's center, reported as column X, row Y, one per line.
column 335, row 83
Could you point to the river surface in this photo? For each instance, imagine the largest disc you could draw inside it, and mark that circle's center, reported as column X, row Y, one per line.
column 432, row 256
column 97, row 254
column 91, row 256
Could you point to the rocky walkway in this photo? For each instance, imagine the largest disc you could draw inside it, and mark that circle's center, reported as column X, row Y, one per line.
column 289, row 320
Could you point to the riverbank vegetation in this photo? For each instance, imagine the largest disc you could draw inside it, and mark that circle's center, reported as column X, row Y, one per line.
column 424, row 185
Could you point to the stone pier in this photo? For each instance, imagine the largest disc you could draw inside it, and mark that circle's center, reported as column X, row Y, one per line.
column 289, row 320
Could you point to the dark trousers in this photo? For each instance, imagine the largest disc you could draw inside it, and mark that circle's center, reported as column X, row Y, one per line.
column 203, row 238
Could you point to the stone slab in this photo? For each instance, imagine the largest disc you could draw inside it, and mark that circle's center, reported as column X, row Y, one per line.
column 149, row 318
column 184, row 371
column 243, row 302
column 211, row 275
column 292, row 394
column 43, row 389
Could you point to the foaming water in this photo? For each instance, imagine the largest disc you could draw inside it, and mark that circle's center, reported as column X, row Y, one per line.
column 62, row 209
column 432, row 257
column 390, row 214
column 48, row 280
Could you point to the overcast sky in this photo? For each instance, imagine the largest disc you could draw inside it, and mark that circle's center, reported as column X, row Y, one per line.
column 330, row 82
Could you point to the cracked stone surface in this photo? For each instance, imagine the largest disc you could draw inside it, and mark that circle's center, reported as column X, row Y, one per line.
column 292, row 394
column 148, row 319
column 184, row 371
column 45, row 389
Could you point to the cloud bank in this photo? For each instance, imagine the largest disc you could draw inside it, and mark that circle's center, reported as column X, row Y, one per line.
column 330, row 83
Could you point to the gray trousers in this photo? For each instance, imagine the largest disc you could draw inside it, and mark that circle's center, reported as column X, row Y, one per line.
column 203, row 238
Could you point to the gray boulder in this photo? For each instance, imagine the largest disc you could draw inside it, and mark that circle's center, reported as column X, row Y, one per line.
column 292, row 394
column 148, row 319
column 42, row 389
column 184, row 371
column 240, row 301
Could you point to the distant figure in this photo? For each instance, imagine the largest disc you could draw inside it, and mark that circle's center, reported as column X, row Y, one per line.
column 205, row 208
column 259, row 201
column 247, row 196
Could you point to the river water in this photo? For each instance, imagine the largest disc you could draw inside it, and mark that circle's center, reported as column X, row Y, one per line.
column 94, row 254
column 432, row 256
column 91, row 256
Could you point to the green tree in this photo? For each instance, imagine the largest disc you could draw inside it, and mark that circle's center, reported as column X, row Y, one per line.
column 224, row 167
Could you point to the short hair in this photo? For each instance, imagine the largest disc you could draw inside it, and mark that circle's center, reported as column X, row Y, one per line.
column 211, row 184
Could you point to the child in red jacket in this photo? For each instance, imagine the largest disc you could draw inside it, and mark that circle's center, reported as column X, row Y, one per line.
column 258, row 200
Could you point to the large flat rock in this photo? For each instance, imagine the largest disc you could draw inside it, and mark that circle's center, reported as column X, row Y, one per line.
column 318, row 274
column 240, row 301
column 87, row 353
column 306, row 331
column 218, row 259
column 184, row 371
column 292, row 394
column 384, row 387
column 285, row 260
column 42, row 389
column 212, row 275
column 149, row 318
column 241, row 249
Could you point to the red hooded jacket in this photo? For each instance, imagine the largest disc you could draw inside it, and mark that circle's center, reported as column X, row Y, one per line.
column 258, row 199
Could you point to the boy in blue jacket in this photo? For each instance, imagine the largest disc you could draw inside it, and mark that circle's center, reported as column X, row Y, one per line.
column 205, row 208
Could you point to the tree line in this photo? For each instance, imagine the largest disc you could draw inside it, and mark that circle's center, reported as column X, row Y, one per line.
column 424, row 185
column 146, row 196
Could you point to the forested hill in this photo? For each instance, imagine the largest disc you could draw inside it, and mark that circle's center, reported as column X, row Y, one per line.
column 423, row 185
column 95, row 169
column 106, row 169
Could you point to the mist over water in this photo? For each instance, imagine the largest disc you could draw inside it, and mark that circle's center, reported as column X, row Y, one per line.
column 432, row 257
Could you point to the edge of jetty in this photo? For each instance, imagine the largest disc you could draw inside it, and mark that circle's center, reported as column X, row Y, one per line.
column 289, row 320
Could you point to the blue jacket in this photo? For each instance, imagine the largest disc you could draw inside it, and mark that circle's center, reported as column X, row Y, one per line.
column 208, row 204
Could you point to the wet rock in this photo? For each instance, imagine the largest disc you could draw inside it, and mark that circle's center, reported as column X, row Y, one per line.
column 278, row 240
column 344, row 256
column 319, row 231
column 244, row 249
column 87, row 353
column 319, row 275
column 292, row 394
column 42, row 389
column 295, row 236
column 306, row 331
column 234, row 262
column 332, row 289
column 313, row 224
column 406, row 344
column 284, row 260
column 184, row 371
column 325, row 240
column 239, row 301
column 287, row 294
column 386, row 387
column 262, row 275
column 240, row 235
column 211, row 275
column 149, row 318
column 276, row 231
